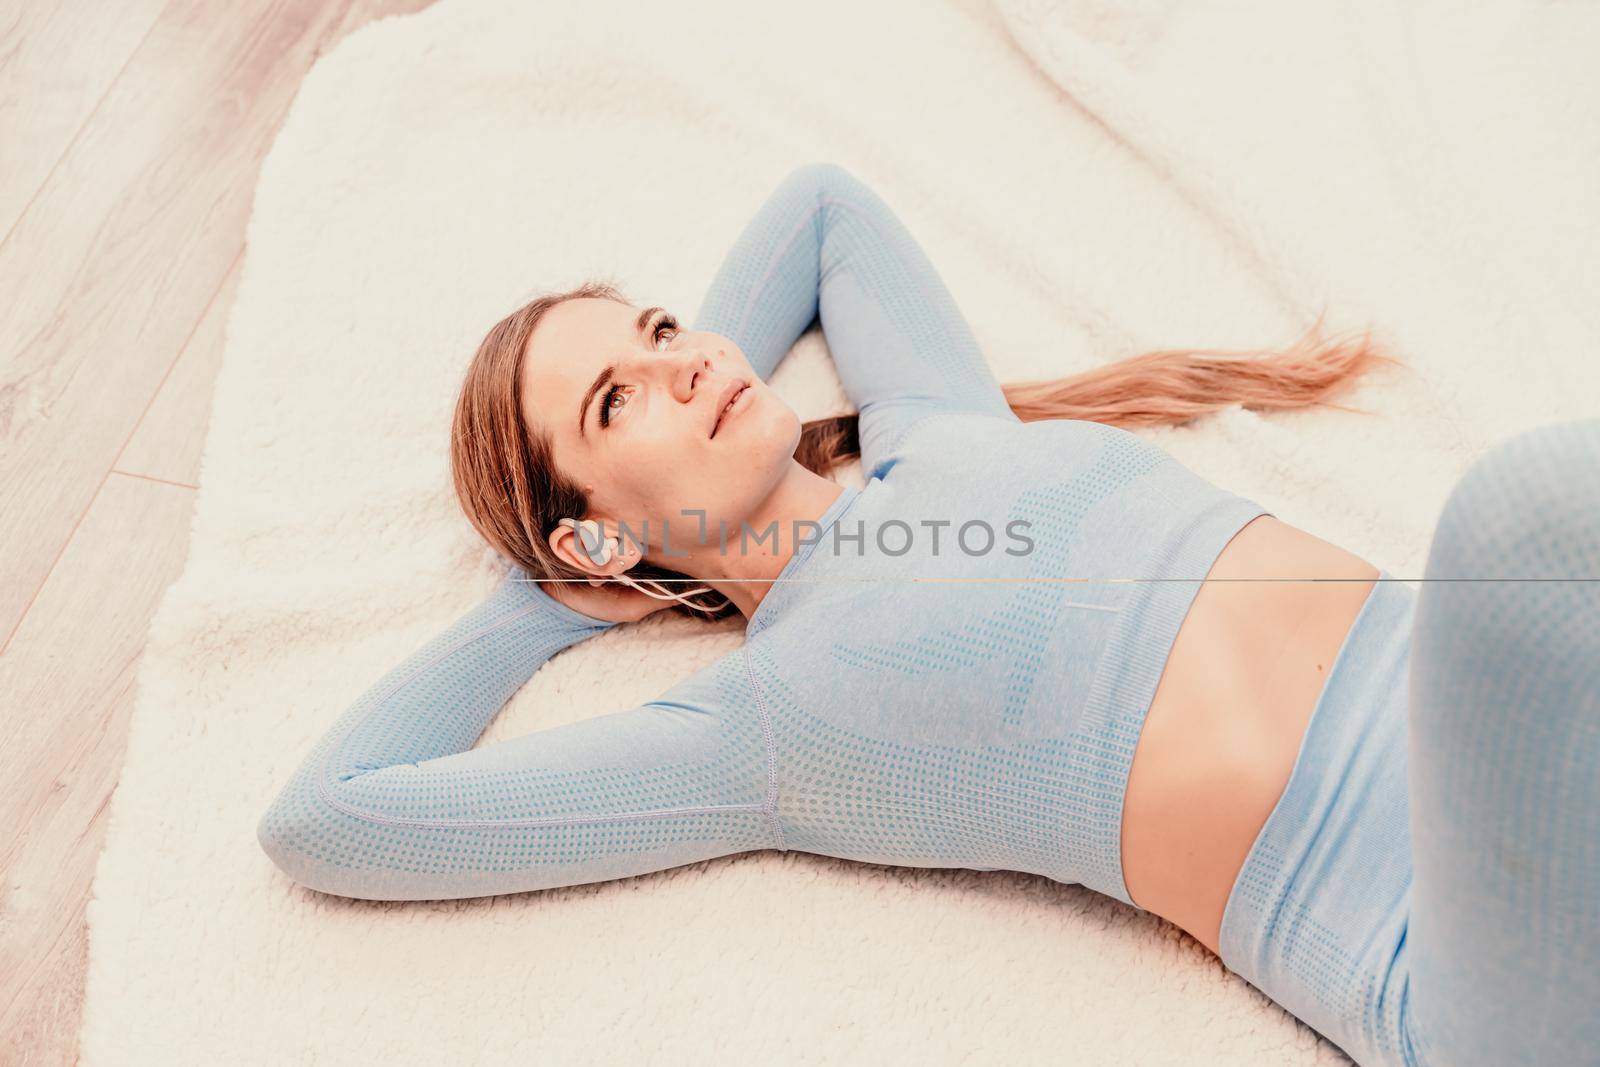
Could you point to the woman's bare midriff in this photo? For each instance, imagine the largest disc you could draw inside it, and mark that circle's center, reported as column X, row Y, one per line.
column 1228, row 716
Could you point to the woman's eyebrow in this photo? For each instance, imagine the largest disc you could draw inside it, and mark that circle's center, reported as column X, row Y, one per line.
column 605, row 375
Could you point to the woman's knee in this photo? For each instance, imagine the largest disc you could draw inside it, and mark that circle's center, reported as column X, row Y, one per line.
column 1529, row 507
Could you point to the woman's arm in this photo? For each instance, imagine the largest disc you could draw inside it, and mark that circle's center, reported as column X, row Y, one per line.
column 824, row 243
column 394, row 803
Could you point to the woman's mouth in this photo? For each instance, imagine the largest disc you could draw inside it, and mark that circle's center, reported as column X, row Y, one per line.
column 732, row 401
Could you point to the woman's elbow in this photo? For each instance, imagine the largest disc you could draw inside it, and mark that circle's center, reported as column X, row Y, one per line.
column 301, row 845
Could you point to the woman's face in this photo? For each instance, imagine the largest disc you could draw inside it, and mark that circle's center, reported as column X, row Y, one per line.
column 631, row 403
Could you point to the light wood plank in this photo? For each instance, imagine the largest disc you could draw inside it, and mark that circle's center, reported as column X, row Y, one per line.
column 57, row 58
column 171, row 436
column 110, row 269
column 69, row 662
column 68, row 680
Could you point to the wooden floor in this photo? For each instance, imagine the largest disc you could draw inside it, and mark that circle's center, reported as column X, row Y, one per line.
column 131, row 137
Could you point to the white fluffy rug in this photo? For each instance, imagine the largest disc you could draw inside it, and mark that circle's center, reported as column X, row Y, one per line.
column 1091, row 183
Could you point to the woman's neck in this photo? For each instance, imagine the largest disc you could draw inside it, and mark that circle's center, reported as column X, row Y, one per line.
column 743, row 570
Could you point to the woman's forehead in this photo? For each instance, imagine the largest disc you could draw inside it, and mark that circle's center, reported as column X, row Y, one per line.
column 586, row 329
column 572, row 343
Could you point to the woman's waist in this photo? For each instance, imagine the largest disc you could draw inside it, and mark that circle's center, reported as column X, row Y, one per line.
column 1251, row 660
column 1266, row 632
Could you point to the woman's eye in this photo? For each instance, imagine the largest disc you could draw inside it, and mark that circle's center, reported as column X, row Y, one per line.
column 665, row 323
column 606, row 405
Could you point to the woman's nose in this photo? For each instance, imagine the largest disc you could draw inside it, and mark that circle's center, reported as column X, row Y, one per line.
column 692, row 376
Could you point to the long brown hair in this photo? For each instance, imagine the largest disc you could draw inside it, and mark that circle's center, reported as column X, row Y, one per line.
column 514, row 495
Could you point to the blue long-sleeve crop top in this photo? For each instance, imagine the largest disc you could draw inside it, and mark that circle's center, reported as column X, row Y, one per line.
column 951, row 670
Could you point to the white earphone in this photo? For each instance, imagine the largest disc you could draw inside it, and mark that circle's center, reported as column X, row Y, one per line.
column 600, row 550
column 589, row 535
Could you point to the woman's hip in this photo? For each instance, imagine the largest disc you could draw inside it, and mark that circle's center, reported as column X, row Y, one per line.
column 1317, row 918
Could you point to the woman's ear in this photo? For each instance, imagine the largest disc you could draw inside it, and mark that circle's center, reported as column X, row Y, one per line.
column 584, row 544
column 570, row 548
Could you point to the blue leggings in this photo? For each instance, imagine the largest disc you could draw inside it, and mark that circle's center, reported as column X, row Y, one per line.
column 1426, row 892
